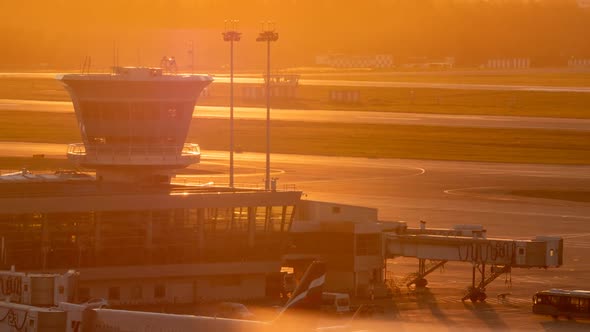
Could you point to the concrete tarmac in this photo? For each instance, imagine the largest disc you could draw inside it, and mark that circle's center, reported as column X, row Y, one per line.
column 443, row 194
column 367, row 83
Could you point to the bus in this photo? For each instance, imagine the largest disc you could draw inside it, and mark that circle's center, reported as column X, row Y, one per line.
column 559, row 302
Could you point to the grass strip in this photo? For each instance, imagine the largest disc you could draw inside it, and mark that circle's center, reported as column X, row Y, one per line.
column 365, row 140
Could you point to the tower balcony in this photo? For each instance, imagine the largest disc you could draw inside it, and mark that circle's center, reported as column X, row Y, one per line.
column 113, row 155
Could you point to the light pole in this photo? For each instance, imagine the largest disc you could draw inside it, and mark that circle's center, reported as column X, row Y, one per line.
column 191, row 54
column 231, row 36
column 267, row 36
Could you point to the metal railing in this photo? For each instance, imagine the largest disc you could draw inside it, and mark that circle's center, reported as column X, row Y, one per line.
column 114, row 154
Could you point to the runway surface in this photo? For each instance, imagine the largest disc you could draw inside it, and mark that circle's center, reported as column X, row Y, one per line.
column 329, row 116
column 450, row 86
column 374, row 84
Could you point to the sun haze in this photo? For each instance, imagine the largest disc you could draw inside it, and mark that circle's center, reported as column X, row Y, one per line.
column 58, row 34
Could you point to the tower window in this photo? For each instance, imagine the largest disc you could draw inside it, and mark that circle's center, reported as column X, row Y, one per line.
column 114, row 293
column 137, row 292
column 159, row 291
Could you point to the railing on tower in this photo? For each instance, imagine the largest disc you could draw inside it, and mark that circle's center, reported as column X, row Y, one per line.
column 164, row 155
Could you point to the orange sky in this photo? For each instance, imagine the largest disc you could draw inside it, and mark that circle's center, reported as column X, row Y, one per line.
column 59, row 33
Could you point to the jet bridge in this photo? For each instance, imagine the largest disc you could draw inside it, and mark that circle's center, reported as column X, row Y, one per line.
column 469, row 243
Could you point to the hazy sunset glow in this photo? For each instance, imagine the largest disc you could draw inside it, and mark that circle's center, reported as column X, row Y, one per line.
column 218, row 165
column 58, row 34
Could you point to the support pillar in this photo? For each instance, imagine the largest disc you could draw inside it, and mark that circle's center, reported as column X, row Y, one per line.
column 149, row 235
column 97, row 238
column 200, row 230
column 251, row 226
column 45, row 241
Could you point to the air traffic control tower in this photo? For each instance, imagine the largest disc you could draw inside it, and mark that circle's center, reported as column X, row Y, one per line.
column 134, row 122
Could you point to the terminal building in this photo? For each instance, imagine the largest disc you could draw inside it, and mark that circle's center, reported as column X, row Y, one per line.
column 137, row 239
column 134, row 237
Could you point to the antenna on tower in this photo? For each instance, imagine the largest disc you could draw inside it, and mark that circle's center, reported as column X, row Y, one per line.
column 115, row 55
column 85, row 65
column 191, row 54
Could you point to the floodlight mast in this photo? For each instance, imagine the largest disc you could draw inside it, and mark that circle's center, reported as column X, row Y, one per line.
column 269, row 35
column 231, row 36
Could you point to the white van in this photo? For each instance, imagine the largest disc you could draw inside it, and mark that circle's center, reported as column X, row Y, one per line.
column 336, row 302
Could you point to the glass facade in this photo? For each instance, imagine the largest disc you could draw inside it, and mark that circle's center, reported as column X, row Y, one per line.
column 138, row 124
column 159, row 236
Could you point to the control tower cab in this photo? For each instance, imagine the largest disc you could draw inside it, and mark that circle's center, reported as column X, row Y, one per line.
column 134, row 122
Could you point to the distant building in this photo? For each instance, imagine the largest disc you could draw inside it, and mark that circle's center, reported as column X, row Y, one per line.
column 355, row 61
column 282, row 86
column 508, row 63
column 578, row 62
column 428, row 63
column 345, row 96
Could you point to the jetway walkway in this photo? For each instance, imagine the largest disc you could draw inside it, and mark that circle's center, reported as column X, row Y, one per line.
column 490, row 257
